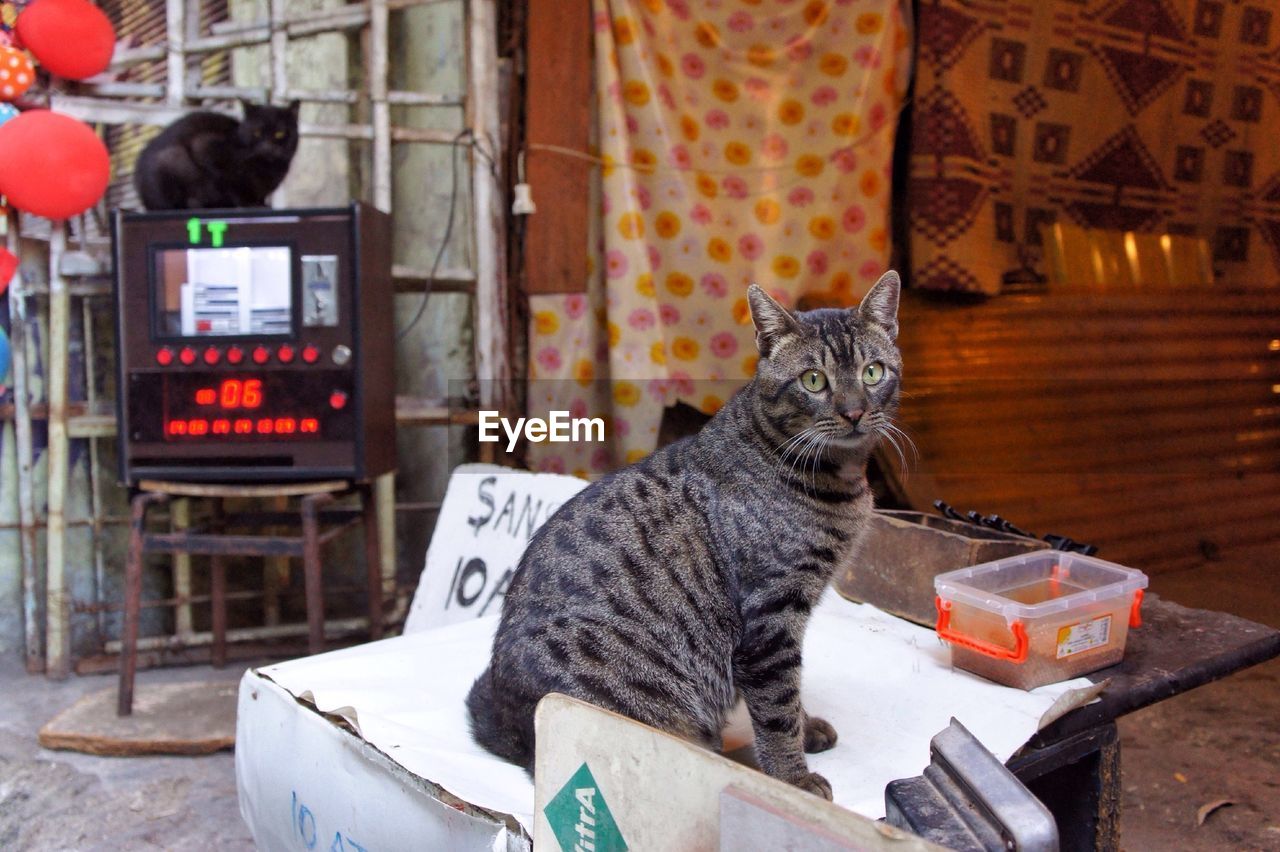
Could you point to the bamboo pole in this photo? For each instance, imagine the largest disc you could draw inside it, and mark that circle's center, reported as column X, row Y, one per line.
column 279, row 47
column 30, row 561
column 57, row 612
column 378, row 63
column 180, row 519
column 493, row 372
column 332, row 628
column 176, row 58
column 95, row 496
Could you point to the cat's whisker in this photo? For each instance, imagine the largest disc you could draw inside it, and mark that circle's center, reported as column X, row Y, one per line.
column 893, row 442
column 791, row 445
column 906, row 439
column 814, row 442
column 790, row 442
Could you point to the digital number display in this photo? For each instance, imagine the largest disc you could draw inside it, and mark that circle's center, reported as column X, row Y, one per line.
column 232, row 394
column 198, row 427
column 212, row 407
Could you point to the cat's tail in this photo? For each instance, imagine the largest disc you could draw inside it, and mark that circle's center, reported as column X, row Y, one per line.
column 491, row 729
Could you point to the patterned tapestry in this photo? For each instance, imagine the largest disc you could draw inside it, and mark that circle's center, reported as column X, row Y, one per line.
column 741, row 141
column 1145, row 115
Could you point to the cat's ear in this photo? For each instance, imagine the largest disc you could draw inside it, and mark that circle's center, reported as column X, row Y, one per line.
column 880, row 305
column 773, row 322
column 294, row 105
column 248, row 106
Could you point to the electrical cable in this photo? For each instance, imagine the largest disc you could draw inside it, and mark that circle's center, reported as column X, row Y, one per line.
column 448, row 230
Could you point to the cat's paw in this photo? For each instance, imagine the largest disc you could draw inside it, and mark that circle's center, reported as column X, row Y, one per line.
column 815, row 784
column 818, row 735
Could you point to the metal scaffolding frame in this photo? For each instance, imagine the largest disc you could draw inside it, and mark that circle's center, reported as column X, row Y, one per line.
column 77, row 274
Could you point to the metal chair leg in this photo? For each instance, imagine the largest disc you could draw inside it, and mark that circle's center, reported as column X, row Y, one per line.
column 311, row 570
column 133, row 598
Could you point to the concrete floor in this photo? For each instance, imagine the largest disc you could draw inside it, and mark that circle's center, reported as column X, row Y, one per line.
column 61, row 800
column 1218, row 742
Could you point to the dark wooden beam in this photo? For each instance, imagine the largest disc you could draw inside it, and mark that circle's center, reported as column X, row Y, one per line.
column 559, row 92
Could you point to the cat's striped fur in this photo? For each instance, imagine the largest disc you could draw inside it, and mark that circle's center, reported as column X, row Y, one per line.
column 669, row 588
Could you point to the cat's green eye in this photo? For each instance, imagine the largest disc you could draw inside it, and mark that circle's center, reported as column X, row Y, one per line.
column 279, row 134
column 813, row 380
column 872, row 373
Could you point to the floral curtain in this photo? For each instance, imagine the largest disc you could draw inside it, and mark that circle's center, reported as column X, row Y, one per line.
column 739, row 142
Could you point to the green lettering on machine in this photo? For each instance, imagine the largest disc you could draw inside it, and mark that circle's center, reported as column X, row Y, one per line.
column 580, row 818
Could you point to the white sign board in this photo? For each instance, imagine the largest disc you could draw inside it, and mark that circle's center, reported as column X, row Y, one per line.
column 488, row 516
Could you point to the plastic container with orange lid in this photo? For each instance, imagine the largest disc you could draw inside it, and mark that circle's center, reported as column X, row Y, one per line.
column 1039, row 618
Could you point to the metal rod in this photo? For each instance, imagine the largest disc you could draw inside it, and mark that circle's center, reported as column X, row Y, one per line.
column 29, row 560
column 57, row 633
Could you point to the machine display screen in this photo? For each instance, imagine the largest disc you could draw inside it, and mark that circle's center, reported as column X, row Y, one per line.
column 214, row 407
column 223, row 292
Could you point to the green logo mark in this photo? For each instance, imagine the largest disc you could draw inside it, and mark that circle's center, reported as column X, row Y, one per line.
column 216, row 228
column 580, row 818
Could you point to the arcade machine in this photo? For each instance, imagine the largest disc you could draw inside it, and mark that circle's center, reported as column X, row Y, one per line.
column 256, row 354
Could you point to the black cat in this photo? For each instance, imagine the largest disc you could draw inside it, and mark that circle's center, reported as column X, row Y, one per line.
column 207, row 159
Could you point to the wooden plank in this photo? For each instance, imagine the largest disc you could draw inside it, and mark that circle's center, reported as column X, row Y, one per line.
column 663, row 792
column 174, row 718
column 558, row 94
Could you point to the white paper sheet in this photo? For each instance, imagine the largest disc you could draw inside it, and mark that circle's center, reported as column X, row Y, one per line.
column 885, row 684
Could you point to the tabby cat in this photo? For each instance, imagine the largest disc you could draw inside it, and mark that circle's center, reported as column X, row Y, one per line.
column 667, row 589
column 207, row 159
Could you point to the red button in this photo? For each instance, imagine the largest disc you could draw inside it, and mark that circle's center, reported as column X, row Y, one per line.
column 212, row 355
column 310, row 354
column 235, row 355
column 338, row 399
column 285, row 354
column 261, row 355
column 187, row 355
column 164, row 357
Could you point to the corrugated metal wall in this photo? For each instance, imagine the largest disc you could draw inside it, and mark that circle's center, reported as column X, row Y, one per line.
column 1147, row 423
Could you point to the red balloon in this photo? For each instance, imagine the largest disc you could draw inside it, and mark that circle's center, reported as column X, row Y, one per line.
column 52, row 165
column 71, row 38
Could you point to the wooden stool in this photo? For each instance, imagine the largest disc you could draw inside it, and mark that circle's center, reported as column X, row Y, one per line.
column 215, row 542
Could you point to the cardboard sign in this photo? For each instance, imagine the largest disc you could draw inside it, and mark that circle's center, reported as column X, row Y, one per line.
column 488, row 516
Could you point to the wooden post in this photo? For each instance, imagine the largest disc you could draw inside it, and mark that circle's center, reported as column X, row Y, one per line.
column 26, row 460
column 57, row 603
column 559, row 90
